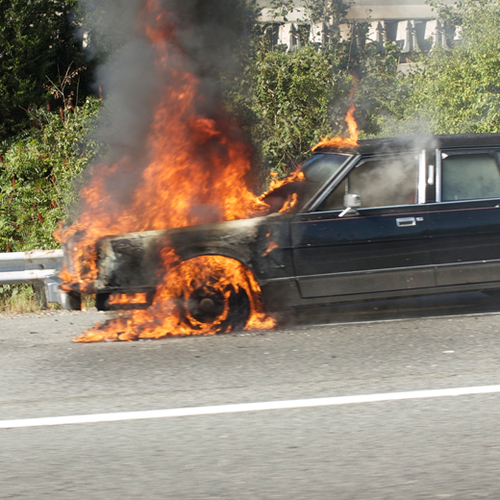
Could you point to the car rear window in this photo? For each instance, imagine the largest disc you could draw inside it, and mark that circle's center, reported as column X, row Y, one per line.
column 470, row 177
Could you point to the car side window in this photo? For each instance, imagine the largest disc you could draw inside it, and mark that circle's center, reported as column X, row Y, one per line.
column 384, row 182
column 470, row 177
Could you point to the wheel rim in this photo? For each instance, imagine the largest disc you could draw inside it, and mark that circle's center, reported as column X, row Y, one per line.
column 205, row 304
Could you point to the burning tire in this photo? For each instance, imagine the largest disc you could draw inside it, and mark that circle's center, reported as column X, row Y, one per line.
column 204, row 295
column 216, row 294
column 208, row 306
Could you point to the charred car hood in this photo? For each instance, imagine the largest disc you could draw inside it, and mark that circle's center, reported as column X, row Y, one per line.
column 132, row 261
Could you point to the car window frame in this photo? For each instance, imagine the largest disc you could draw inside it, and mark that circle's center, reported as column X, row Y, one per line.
column 358, row 160
column 332, row 183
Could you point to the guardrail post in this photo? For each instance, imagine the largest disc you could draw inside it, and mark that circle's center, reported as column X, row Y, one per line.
column 40, row 295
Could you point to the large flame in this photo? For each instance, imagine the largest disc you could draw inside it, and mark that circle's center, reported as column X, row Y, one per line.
column 195, row 173
column 207, row 276
column 342, row 142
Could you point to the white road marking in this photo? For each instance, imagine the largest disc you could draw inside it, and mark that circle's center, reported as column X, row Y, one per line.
column 246, row 407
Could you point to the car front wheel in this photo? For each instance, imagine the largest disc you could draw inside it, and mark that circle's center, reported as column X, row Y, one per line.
column 213, row 294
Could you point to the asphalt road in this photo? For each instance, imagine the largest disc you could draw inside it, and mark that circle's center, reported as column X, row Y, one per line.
column 440, row 447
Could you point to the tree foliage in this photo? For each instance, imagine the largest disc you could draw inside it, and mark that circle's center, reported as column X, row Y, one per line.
column 299, row 96
column 453, row 90
column 293, row 92
column 286, row 99
column 37, row 44
column 37, row 174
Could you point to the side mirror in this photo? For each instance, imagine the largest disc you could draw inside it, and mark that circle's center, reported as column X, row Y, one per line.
column 351, row 202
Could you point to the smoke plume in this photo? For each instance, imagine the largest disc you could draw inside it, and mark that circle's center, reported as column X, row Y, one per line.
column 205, row 41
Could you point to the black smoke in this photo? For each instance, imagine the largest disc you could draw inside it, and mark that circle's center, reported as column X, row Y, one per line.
column 210, row 38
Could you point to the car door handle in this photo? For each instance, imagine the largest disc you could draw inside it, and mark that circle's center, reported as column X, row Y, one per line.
column 406, row 222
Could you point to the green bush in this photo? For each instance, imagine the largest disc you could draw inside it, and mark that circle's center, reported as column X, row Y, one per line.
column 37, row 45
column 453, row 90
column 37, row 174
column 300, row 96
column 293, row 93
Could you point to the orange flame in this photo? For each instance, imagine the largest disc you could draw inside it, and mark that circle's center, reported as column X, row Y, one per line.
column 290, row 202
column 195, row 173
column 210, row 275
column 270, row 247
column 342, row 142
column 296, row 176
column 127, row 298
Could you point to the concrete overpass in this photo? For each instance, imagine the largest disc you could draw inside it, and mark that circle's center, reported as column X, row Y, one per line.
column 411, row 24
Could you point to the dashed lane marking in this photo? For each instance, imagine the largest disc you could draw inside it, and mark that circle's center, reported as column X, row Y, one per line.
column 246, row 407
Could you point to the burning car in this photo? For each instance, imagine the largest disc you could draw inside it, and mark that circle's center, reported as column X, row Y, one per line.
column 171, row 234
column 386, row 218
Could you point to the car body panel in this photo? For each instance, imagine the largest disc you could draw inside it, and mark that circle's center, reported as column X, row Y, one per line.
column 370, row 252
column 465, row 242
column 132, row 262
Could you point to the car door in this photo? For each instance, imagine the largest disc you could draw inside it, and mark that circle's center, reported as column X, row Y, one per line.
column 464, row 223
column 381, row 246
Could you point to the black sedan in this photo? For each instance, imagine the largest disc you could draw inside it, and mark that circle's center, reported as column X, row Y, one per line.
column 389, row 218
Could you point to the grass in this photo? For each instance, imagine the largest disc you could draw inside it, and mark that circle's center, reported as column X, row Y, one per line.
column 88, row 301
column 18, row 299
column 22, row 299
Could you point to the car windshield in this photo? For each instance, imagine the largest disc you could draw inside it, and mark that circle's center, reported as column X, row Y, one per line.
column 317, row 171
column 321, row 167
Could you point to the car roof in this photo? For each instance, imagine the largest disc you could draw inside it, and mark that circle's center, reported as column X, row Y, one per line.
column 417, row 143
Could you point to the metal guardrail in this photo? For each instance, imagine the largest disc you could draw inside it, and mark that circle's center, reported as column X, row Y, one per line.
column 31, row 267
column 38, row 268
